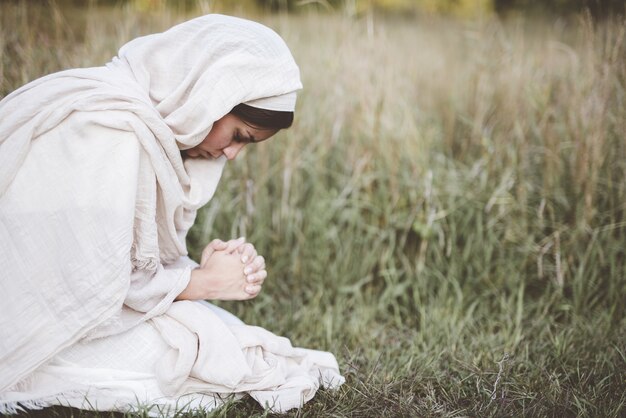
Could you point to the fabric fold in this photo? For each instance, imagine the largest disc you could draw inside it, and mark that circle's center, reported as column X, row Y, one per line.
column 174, row 362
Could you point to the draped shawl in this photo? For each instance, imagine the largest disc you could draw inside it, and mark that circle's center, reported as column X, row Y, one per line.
column 66, row 266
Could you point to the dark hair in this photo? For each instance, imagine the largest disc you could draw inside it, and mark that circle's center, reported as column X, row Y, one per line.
column 263, row 118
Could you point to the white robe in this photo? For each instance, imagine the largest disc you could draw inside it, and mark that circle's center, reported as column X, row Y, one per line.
column 95, row 204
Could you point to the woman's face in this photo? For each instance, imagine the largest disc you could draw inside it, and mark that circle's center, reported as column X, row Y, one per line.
column 227, row 137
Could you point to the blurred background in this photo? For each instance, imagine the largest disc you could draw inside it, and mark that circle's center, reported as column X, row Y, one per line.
column 460, row 8
column 448, row 212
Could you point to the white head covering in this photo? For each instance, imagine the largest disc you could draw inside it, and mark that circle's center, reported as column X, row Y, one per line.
column 283, row 103
column 198, row 71
column 167, row 90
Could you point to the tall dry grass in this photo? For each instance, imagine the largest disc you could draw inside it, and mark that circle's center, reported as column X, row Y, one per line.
column 447, row 214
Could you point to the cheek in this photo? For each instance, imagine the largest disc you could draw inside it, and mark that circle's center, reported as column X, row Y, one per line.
column 218, row 137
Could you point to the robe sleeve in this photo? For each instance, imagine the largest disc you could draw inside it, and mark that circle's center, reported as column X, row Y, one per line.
column 153, row 292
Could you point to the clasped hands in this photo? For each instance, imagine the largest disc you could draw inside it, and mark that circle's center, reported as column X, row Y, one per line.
column 229, row 270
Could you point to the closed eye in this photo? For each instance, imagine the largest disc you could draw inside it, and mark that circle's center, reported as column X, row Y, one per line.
column 240, row 139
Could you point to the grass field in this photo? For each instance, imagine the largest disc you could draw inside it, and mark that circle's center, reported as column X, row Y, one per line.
column 447, row 215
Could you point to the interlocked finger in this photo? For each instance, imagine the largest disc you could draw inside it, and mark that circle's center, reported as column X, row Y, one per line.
column 257, row 278
column 252, row 290
column 216, row 243
column 248, row 252
column 235, row 244
column 258, row 263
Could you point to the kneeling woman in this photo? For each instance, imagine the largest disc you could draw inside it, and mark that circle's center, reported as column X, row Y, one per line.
column 102, row 171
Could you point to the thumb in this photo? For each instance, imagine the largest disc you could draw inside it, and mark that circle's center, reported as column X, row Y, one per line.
column 234, row 244
column 215, row 245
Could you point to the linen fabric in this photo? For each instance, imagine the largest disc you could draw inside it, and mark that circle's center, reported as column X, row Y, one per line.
column 95, row 205
column 283, row 103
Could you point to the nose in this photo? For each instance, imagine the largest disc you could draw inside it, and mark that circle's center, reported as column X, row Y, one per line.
column 232, row 150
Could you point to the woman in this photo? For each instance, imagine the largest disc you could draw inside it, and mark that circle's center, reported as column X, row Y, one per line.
column 102, row 171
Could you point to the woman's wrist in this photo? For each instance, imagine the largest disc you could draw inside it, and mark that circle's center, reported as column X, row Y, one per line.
column 198, row 287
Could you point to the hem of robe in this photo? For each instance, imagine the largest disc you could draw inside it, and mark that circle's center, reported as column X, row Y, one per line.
column 277, row 375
